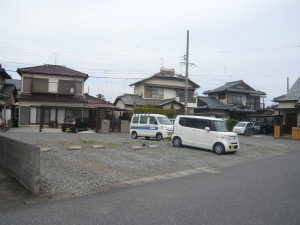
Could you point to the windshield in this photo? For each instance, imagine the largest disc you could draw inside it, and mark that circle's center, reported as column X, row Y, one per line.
column 241, row 124
column 219, row 126
column 164, row 120
column 69, row 119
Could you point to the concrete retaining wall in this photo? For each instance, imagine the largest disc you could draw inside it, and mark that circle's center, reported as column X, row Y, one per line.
column 21, row 161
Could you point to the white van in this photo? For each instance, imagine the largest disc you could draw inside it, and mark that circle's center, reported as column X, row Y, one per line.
column 150, row 125
column 204, row 132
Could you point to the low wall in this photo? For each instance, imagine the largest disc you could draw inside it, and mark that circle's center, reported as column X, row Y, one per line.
column 21, row 161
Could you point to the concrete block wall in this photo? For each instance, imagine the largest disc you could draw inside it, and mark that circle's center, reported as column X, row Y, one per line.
column 21, row 161
column 105, row 126
column 124, row 127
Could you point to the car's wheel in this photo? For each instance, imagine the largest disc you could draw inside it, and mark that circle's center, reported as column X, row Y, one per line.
column 177, row 142
column 63, row 130
column 219, row 148
column 134, row 135
column 76, row 130
column 159, row 136
column 147, row 138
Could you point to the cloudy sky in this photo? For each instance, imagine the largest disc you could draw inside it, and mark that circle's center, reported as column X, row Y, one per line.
column 118, row 42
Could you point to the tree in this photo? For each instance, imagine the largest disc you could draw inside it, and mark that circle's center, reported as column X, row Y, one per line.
column 101, row 96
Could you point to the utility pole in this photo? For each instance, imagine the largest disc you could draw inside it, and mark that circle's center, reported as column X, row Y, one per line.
column 186, row 74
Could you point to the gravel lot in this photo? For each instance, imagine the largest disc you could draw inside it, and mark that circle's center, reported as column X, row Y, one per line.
column 64, row 170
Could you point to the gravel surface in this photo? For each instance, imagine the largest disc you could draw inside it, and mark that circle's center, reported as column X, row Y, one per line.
column 64, row 170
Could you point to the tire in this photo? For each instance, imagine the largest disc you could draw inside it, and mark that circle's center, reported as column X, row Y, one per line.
column 159, row 136
column 63, row 130
column 76, row 130
column 134, row 135
column 219, row 148
column 177, row 142
column 147, row 138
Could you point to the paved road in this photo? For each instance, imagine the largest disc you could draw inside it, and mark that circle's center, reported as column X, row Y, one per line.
column 265, row 191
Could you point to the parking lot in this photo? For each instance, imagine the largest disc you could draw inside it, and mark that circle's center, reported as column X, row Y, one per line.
column 113, row 158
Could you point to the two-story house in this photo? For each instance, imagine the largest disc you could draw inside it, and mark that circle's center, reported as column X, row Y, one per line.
column 235, row 100
column 8, row 96
column 164, row 89
column 59, row 91
column 287, row 112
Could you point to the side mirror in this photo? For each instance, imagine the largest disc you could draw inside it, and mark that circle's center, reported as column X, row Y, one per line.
column 207, row 128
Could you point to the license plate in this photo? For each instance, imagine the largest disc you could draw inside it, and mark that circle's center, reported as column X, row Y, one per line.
column 170, row 136
column 231, row 147
column 67, row 128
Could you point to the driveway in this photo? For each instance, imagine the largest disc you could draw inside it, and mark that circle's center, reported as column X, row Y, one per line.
column 114, row 158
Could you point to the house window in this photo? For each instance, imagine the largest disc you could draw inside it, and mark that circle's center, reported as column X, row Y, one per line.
column 234, row 99
column 154, row 93
column 221, row 95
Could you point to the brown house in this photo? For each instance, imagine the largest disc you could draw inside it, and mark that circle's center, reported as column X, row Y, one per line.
column 57, row 90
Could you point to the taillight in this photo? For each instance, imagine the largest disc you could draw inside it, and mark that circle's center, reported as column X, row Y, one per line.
column 74, row 123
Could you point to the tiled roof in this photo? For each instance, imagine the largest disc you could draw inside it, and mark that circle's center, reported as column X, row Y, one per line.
column 171, row 77
column 48, row 69
column 132, row 99
column 51, row 98
column 7, row 90
column 90, row 101
column 212, row 103
column 292, row 95
column 4, row 74
column 231, row 86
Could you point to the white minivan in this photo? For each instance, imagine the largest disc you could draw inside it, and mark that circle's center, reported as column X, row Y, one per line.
column 204, row 132
column 150, row 125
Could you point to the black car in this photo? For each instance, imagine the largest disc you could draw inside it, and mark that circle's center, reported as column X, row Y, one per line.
column 74, row 124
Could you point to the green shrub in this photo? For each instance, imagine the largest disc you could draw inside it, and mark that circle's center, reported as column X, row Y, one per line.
column 231, row 123
column 170, row 113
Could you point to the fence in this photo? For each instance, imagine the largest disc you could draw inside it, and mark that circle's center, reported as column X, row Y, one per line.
column 22, row 162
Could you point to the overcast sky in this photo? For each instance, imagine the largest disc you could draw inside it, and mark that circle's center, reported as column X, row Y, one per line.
column 117, row 41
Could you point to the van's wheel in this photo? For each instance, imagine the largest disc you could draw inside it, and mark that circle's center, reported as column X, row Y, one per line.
column 159, row 136
column 134, row 135
column 147, row 138
column 63, row 130
column 219, row 148
column 177, row 142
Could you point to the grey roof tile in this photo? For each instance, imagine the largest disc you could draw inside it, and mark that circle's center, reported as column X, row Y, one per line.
column 230, row 86
column 48, row 69
column 292, row 95
column 132, row 99
column 6, row 91
column 212, row 103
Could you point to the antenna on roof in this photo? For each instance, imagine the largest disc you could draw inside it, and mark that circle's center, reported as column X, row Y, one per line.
column 55, row 56
column 162, row 62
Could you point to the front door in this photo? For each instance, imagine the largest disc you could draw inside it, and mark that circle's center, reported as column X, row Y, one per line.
column 143, row 126
column 153, row 126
